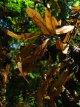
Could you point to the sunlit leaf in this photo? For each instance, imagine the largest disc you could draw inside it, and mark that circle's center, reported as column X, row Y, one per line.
column 38, row 20
column 66, row 48
column 67, row 37
column 19, row 64
column 76, row 3
column 62, row 46
column 64, row 29
column 22, row 36
column 76, row 8
column 48, row 20
column 47, row 97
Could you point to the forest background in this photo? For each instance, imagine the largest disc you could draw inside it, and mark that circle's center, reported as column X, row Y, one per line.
column 39, row 53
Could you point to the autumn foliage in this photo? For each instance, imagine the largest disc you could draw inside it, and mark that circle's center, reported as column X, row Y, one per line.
column 54, row 56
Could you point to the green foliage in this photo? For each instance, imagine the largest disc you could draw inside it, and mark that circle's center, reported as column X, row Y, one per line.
column 76, row 3
column 18, row 5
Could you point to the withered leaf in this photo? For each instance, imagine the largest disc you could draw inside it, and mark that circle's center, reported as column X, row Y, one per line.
column 19, row 64
column 67, row 37
column 48, row 20
column 76, row 8
column 65, row 50
column 64, row 29
column 13, row 35
column 54, row 24
column 28, row 59
column 59, row 44
column 38, row 20
column 5, row 77
column 40, row 49
column 47, row 97
column 22, row 36
column 62, row 46
column 21, row 72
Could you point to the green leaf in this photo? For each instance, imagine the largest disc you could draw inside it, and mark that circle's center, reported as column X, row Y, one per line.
column 77, row 3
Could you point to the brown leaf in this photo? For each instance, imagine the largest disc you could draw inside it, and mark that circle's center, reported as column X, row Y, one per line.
column 54, row 24
column 59, row 45
column 67, row 37
column 66, row 48
column 5, row 73
column 62, row 46
column 21, row 72
column 5, row 77
column 22, row 36
column 75, row 33
column 78, row 22
column 56, row 88
column 76, row 8
column 40, row 49
column 64, row 29
column 48, row 20
column 13, row 35
column 38, row 53
column 28, row 59
column 38, row 20
column 19, row 64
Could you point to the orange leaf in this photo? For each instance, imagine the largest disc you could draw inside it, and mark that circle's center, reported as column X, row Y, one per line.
column 67, row 37
column 38, row 20
column 40, row 48
column 54, row 24
column 62, row 46
column 76, row 8
column 22, row 36
column 48, row 20
column 19, row 64
column 59, row 44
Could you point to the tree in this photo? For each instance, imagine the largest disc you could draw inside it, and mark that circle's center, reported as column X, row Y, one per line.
column 42, row 65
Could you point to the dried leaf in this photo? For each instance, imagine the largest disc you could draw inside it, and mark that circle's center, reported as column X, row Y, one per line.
column 48, row 20
column 65, row 50
column 22, row 73
column 59, row 22
column 67, row 37
column 28, row 59
column 13, row 35
column 75, row 33
column 76, row 8
column 5, row 73
column 38, row 53
column 59, row 83
column 47, row 97
column 5, row 77
column 31, row 35
column 62, row 46
column 19, row 64
column 59, row 45
column 40, row 49
column 54, row 24
column 38, row 20
column 54, row 21
column 64, row 29
column 78, row 22
column 22, row 36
